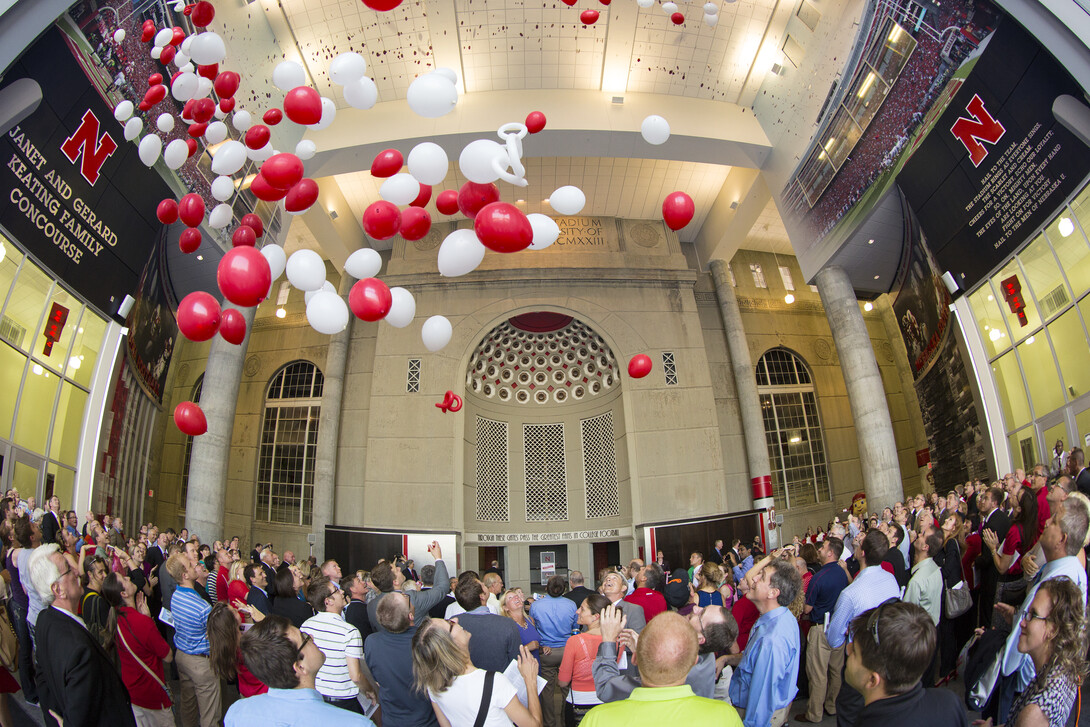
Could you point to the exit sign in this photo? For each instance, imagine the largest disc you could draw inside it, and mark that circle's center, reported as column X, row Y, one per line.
column 54, row 326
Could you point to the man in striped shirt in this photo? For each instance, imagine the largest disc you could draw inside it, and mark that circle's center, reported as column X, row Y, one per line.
column 200, row 686
column 341, row 678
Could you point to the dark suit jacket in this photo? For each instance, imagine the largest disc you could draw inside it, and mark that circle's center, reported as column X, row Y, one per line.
column 293, row 609
column 578, row 595
column 1000, row 523
column 259, row 600
column 270, row 574
column 50, row 527
column 1082, row 482
column 76, row 677
column 715, row 556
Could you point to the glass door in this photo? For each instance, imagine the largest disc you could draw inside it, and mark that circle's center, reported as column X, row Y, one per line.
column 1053, row 428
column 25, row 472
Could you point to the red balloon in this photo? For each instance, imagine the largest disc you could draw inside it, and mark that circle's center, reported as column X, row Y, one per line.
column 257, row 136
column 381, row 220
column 155, row 94
column 472, row 197
column 192, row 144
column 676, row 18
column 604, row 2
column 535, row 122
column 167, row 211
column 570, row 3
column 198, row 129
column 415, row 223
column 243, row 236
column 143, row 106
column 203, row 110
column 244, row 276
column 177, row 36
column 282, row 171
column 167, row 55
column 301, row 196
column 639, row 366
column 233, row 326
column 203, row 13
column 447, row 202
column 191, row 209
column 423, row 198
column 254, row 223
column 190, row 240
column 272, row 117
column 187, row 109
column 370, row 299
column 303, row 105
column 265, row 191
column 387, row 163
column 210, row 72
column 678, row 210
column 382, row 5
column 589, row 17
column 198, row 316
column 189, row 418
column 157, row 78
column 503, row 227
column 226, row 84
column 147, row 32
column 227, row 105
column 187, row 10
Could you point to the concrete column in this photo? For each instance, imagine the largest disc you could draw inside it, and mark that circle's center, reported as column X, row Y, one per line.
column 866, row 394
column 208, row 463
column 329, row 428
column 745, row 382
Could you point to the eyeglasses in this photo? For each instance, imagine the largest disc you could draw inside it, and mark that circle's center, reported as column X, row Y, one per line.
column 877, row 616
column 1029, row 616
column 303, row 645
column 451, row 623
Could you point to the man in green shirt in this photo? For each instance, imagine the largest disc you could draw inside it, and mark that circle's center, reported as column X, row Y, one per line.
column 665, row 652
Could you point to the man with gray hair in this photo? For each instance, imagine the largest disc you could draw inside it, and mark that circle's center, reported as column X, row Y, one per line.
column 389, row 655
column 77, row 680
column 579, row 591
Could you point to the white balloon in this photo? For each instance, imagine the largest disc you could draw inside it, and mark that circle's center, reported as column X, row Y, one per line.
column 428, row 163
column 149, row 149
column 119, row 35
column 568, row 200
column 219, row 113
column 400, row 189
column 175, row 154
column 182, row 61
column 306, row 271
column 305, row 149
column 165, row 123
column 711, row 20
column 329, row 112
column 229, row 158
column 220, row 216
column 186, row 45
column 204, row 87
column 184, row 86
column 133, row 127
column 216, row 132
column 287, row 75
column 179, row 6
column 347, row 67
column 669, row 8
column 123, row 111
column 645, row 3
column 402, row 309
column 436, row 333
column 655, row 130
column 711, row 9
column 460, row 253
column 223, row 188
column 207, row 48
column 326, row 286
column 156, row 52
column 545, row 230
column 274, row 254
column 432, row 96
column 361, row 94
column 363, row 263
column 448, row 73
column 163, row 37
column 476, row 161
column 242, row 120
column 260, row 155
column 327, row 313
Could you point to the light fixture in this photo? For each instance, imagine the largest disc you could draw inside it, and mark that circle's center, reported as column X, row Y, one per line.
column 877, row 276
column 3, row 251
column 870, row 241
column 991, row 297
column 520, row 201
column 280, row 312
column 74, row 362
column 200, row 257
column 995, row 334
column 868, row 306
column 1066, row 228
column 1030, row 340
column 79, row 330
column 37, row 369
column 986, row 326
column 795, row 439
column 789, row 299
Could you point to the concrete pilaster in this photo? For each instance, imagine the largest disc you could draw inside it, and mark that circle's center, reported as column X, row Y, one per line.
column 866, row 393
column 208, row 462
column 745, row 381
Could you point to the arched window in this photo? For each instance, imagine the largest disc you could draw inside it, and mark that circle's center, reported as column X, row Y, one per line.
column 796, row 447
column 289, row 441
column 196, row 397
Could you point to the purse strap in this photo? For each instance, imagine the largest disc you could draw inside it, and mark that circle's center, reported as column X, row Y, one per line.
column 486, row 698
column 139, row 660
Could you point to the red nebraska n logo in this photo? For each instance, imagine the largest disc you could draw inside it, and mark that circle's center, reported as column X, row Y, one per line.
column 982, row 127
column 94, row 150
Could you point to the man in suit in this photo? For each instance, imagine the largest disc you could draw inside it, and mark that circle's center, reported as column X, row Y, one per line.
column 77, row 680
column 716, row 555
column 258, row 582
column 1076, row 462
column 992, row 518
column 385, row 579
column 51, row 521
column 578, row 592
column 409, row 571
column 269, row 561
column 614, row 587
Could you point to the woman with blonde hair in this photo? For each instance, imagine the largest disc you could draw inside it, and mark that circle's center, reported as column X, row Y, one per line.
column 442, row 670
column 708, row 578
column 511, row 606
column 237, row 590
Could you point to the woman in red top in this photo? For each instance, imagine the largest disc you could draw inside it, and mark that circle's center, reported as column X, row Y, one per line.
column 579, row 654
column 224, row 633
column 237, row 590
column 141, row 651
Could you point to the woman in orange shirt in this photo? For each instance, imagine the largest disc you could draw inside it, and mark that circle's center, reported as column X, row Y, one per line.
column 579, row 653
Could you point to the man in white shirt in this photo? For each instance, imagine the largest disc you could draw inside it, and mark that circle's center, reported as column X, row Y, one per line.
column 341, row 678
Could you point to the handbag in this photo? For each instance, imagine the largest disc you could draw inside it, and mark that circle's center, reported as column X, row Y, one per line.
column 9, row 642
column 138, row 660
column 956, row 601
column 979, row 666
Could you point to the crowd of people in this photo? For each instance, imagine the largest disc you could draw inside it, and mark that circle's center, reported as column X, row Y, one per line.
column 866, row 620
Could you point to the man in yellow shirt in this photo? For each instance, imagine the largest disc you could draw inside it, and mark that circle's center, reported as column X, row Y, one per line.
column 665, row 652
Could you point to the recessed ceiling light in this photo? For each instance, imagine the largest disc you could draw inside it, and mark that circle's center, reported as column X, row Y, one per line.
column 1066, row 226
column 868, row 306
column 789, row 299
column 870, row 241
column 1030, row 340
column 200, row 257
column 280, row 312
column 520, row 201
column 877, row 276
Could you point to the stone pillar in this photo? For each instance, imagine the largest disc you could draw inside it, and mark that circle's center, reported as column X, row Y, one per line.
column 329, row 428
column 745, row 382
column 208, row 463
column 866, row 394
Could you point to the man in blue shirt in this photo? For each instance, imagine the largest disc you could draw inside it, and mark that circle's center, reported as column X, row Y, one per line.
column 764, row 684
column 556, row 620
column 287, row 660
column 823, row 663
column 389, row 656
column 200, row 686
column 742, row 568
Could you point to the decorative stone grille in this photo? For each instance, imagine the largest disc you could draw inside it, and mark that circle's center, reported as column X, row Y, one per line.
column 546, row 475
column 600, row 466
column 492, row 476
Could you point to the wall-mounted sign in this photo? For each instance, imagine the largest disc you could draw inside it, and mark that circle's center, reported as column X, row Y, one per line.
column 500, row 538
column 54, row 326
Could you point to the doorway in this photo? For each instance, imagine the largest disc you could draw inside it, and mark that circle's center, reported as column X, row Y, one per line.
column 605, row 555
column 485, row 557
